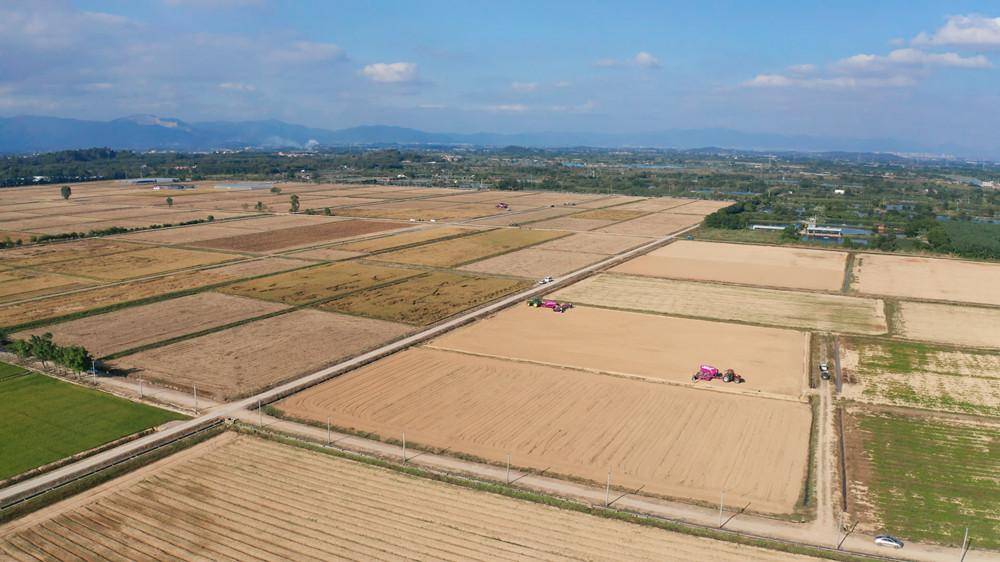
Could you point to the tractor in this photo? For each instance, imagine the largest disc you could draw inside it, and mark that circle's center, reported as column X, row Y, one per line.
column 556, row 306
column 709, row 373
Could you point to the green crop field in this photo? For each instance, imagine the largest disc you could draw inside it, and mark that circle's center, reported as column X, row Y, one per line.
column 45, row 419
column 929, row 480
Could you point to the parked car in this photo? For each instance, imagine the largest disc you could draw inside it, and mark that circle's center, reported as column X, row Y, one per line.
column 824, row 371
column 545, row 280
column 888, row 541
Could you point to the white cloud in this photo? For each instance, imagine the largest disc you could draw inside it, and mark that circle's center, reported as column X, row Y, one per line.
column 643, row 59
column 391, row 72
column 238, row 86
column 607, row 63
column 507, row 108
column 973, row 31
column 585, row 107
column 834, row 83
column 901, row 58
column 524, row 87
column 802, row 69
column 305, row 52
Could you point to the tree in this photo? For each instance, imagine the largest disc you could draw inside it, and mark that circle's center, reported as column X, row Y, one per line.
column 170, row 201
column 65, row 191
column 294, row 199
column 327, row 211
column 791, row 232
column 259, row 206
column 275, row 190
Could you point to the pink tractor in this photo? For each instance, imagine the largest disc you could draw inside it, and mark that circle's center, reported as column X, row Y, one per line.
column 710, row 373
column 556, row 306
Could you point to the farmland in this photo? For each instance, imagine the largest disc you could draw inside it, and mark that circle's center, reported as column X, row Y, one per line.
column 658, row 224
column 46, row 419
column 950, row 324
column 403, row 239
column 254, row 356
column 925, row 478
column 814, row 311
column 322, row 282
column 466, row 249
column 133, row 327
column 264, row 500
column 595, row 243
column 776, row 266
column 535, row 263
column 427, row 298
column 138, row 263
column 20, row 284
column 928, row 278
column 284, row 238
column 649, row 434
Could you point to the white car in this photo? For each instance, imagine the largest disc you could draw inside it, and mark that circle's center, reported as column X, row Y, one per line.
column 888, row 541
column 545, row 281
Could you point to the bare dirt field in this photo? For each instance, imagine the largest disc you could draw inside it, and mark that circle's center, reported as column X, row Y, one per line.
column 29, row 256
column 17, row 284
column 184, row 235
column 404, row 239
column 251, row 357
column 659, row 224
column 577, row 424
column 649, row 346
column 774, row 266
column 320, row 507
column 423, row 209
column 62, row 305
column 318, row 283
column 326, row 254
column 572, row 223
column 427, row 298
column 467, row 249
column 295, row 236
column 139, row 263
column 927, row 278
column 595, row 243
column 945, row 323
column 813, row 311
column 130, row 328
column 656, row 204
column 535, row 263
column 515, row 218
column 700, row 207
column 614, row 214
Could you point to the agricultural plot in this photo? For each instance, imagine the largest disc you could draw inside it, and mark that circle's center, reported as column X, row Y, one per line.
column 775, row 266
column 296, row 236
column 458, row 251
column 576, row 424
column 318, row 283
column 921, row 376
column 659, row 224
column 535, row 263
column 423, row 209
column 263, row 500
column 31, row 256
column 572, row 223
column 516, row 217
column 326, row 254
column 923, row 478
column 139, row 263
column 613, row 214
column 927, row 278
column 17, row 284
column 657, row 204
column 45, row 420
column 949, row 324
column 812, row 311
column 427, row 298
column 595, row 243
column 79, row 302
column 117, row 331
column 251, row 357
column 646, row 346
column 184, row 235
column 404, row 239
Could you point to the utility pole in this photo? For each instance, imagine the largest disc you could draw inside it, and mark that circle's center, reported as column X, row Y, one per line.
column 140, row 388
column 93, row 369
column 722, row 500
column 260, row 415
column 404, row 446
column 965, row 545
column 607, row 490
column 508, row 469
column 328, row 432
column 196, row 400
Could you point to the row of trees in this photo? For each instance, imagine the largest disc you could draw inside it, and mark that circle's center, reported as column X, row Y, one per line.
column 42, row 347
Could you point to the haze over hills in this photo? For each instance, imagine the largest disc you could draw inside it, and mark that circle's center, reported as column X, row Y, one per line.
column 26, row 134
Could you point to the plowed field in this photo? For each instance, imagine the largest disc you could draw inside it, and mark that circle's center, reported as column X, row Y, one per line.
column 945, row 323
column 928, row 278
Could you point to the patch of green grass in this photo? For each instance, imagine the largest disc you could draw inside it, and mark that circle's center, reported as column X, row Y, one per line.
column 45, row 420
column 930, row 480
column 894, row 357
column 744, row 235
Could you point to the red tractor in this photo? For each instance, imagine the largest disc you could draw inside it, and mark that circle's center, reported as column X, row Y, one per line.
column 549, row 303
column 709, row 373
column 502, row 205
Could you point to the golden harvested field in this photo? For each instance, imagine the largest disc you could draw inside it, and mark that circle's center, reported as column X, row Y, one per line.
column 262, row 500
column 595, row 243
column 535, row 263
column 813, row 311
column 774, row 266
column 326, row 254
column 927, row 278
column 318, row 283
column 701, row 208
column 251, row 357
column 467, row 249
column 945, row 323
column 30, row 256
column 420, row 210
column 140, row 263
column 404, row 239
column 656, row 204
column 659, row 224
column 578, row 424
column 572, row 223
column 546, row 198
column 185, row 234
column 647, row 346
column 296, row 236
column 514, row 217
column 133, row 327
column 427, row 298
column 16, row 314
column 17, row 284
column 615, row 214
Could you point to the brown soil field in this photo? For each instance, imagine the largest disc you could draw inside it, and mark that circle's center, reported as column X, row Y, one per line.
column 326, row 254
column 615, row 214
column 404, row 239
column 606, row 201
column 927, row 278
column 535, row 263
column 251, row 357
column 813, row 311
column 659, row 224
column 426, row 299
column 420, row 210
column 572, row 223
column 701, row 208
column 258, row 499
column 656, row 204
column 577, row 424
column 470, row 248
column 515, row 218
column 595, row 243
column 133, row 327
column 62, row 305
column 945, row 323
column 544, row 199
column 318, row 283
column 794, row 268
column 46, row 222
column 295, row 236
column 319, row 202
column 78, row 249
column 183, row 235
column 140, row 263
column 17, row 284
column 649, row 346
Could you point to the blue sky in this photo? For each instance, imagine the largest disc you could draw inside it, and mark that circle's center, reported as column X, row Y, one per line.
column 924, row 71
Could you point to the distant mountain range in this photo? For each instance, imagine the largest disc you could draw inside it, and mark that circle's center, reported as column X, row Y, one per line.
column 26, row 134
